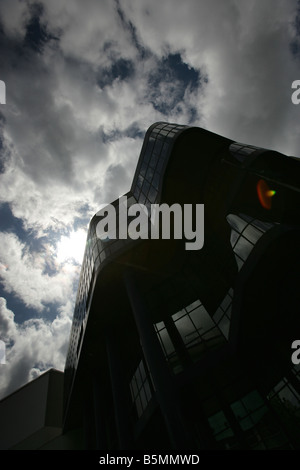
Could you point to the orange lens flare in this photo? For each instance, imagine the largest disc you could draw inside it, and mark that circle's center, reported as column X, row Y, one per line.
column 265, row 194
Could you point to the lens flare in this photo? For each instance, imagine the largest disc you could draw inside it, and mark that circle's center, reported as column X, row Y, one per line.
column 265, row 194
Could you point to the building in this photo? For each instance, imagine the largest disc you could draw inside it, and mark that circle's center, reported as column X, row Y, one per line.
column 31, row 417
column 177, row 349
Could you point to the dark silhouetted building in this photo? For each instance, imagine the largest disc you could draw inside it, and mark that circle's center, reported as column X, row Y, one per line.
column 191, row 349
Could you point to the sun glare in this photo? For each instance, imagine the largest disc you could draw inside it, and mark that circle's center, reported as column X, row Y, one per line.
column 71, row 248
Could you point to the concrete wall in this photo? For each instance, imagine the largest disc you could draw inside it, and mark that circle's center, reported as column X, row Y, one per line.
column 32, row 416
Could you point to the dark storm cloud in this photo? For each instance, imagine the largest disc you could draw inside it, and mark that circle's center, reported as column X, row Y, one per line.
column 37, row 34
column 295, row 41
column 133, row 131
column 32, row 120
column 143, row 51
column 168, row 83
column 121, row 69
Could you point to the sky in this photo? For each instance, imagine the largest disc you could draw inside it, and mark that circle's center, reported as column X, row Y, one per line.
column 84, row 81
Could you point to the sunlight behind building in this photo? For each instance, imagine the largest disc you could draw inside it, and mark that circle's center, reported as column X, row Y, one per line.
column 71, row 248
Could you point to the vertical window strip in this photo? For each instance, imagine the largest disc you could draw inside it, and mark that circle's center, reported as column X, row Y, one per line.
column 140, row 389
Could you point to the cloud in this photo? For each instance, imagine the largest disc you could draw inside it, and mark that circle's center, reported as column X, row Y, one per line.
column 32, row 347
column 64, row 97
column 244, row 49
column 25, row 275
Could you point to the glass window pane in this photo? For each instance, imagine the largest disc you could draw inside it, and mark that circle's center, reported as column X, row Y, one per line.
column 253, row 400
column 224, row 434
column 243, row 248
column 143, row 169
column 247, row 150
column 202, row 319
column 154, row 159
column 289, row 397
column 143, row 398
column 155, row 181
column 218, row 422
column 133, row 388
column 218, row 315
column 146, row 187
column 193, row 305
column 252, row 234
column 224, row 326
column 160, row 165
column 159, row 326
column 264, row 226
column 236, row 222
column 164, row 150
column 179, row 314
column 257, row 415
column 142, row 371
column 166, row 341
column 239, row 409
column 185, row 327
column 147, row 390
column 149, row 174
column 142, row 198
column 239, row 262
column 160, row 125
column 147, row 155
column 212, row 334
column 246, row 423
column 152, row 194
column 233, row 237
column 228, row 311
column 139, row 181
column 138, row 378
column 296, row 370
column 226, row 302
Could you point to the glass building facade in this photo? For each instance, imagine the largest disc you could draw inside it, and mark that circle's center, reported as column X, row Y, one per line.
column 179, row 349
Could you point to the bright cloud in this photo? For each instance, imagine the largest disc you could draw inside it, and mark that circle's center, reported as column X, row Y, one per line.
column 31, row 347
column 71, row 247
column 25, row 274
